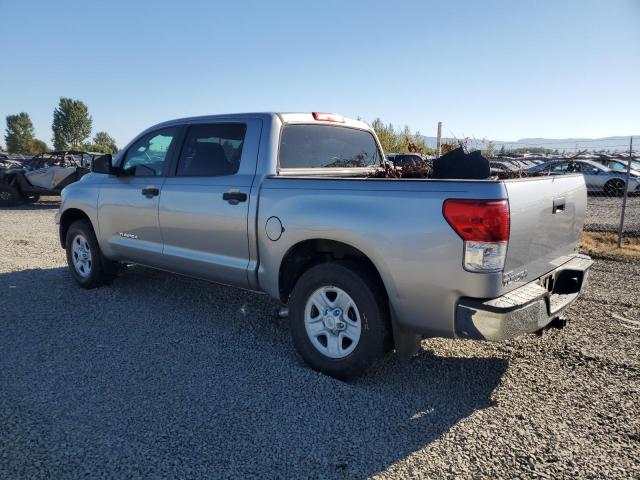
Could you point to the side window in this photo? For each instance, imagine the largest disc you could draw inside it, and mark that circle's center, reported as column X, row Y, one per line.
column 617, row 166
column 146, row 157
column 212, row 150
column 558, row 167
column 590, row 169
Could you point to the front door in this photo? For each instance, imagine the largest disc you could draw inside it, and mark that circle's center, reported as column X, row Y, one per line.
column 128, row 203
column 204, row 207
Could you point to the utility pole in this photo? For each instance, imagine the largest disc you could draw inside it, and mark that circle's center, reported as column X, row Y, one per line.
column 626, row 193
column 438, row 140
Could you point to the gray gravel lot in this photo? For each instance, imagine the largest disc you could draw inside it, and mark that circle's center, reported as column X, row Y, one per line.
column 162, row 376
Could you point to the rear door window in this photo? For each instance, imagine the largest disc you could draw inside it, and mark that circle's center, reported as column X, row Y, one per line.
column 212, row 150
column 327, row 146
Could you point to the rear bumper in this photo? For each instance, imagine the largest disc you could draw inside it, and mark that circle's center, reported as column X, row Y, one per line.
column 526, row 309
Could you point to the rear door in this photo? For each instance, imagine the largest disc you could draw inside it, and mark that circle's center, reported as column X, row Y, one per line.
column 547, row 215
column 204, row 205
column 128, row 204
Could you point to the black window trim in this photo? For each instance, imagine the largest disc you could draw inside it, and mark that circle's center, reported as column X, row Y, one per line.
column 320, row 169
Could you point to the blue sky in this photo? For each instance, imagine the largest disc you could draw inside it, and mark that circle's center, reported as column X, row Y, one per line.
column 496, row 69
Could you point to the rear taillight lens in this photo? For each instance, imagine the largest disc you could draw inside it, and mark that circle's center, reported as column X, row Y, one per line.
column 484, row 227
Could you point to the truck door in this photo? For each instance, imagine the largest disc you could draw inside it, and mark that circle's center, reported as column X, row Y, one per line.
column 128, row 203
column 204, row 206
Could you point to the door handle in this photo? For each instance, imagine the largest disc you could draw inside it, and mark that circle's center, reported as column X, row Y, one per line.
column 150, row 192
column 234, row 197
column 558, row 205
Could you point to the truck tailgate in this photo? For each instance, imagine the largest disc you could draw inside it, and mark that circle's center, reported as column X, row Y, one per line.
column 547, row 215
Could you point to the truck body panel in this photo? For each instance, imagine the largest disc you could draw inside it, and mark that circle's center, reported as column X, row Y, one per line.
column 220, row 228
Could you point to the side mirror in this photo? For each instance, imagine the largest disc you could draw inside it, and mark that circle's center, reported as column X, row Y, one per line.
column 102, row 164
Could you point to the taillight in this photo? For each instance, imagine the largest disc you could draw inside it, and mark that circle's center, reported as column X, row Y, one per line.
column 328, row 117
column 484, row 227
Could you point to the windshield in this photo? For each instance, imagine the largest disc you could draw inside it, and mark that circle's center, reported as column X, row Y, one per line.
column 327, row 146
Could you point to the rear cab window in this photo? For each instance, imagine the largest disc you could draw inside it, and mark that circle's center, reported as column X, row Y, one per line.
column 308, row 146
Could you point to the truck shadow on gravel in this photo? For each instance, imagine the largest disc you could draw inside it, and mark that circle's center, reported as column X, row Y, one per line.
column 33, row 206
column 160, row 375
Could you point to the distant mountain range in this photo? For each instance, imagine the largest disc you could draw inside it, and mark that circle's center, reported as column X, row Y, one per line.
column 566, row 144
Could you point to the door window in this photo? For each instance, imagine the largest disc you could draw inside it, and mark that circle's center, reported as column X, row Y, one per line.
column 212, row 150
column 589, row 169
column 147, row 156
column 558, row 168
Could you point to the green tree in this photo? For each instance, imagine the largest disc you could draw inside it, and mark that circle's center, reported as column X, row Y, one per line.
column 94, row 147
column 399, row 142
column 104, row 139
column 71, row 124
column 38, row 146
column 19, row 133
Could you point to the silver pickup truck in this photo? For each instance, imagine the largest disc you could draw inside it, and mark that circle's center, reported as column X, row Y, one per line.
column 287, row 204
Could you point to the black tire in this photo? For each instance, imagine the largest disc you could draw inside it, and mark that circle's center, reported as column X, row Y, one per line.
column 99, row 271
column 614, row 187
column 371, row 302
column 10, row 196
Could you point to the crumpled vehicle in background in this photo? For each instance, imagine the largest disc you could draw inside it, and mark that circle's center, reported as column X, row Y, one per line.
column 24, row 181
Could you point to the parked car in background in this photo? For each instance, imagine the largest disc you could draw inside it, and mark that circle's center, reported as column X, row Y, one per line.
column 598, row 178
column 288, row 204
column 45, row 174
column 620, row 165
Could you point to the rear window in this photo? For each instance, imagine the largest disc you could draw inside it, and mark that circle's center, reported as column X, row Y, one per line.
column 327, row 146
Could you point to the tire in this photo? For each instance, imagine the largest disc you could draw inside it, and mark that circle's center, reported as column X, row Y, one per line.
column 614, row 188
column 327, row 345
column 10, row 196
column 94, row 270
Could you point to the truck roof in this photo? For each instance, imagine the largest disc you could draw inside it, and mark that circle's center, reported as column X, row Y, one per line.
column 284, row 117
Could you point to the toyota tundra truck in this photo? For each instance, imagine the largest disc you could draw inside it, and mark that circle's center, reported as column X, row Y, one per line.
column 288, row 204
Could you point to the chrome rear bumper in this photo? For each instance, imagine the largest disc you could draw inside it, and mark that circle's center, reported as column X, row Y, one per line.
column 526, row 309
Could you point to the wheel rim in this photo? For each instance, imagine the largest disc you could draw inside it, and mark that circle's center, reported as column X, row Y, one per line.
column 616, row 187
column 332, row 322
column 81, row 255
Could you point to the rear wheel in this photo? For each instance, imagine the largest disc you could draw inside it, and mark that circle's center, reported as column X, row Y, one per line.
column 87, row 265
column 339, row 319
column 614, row 187
column 10, row 196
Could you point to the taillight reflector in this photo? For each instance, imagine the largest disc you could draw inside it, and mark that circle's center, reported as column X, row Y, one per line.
column 328, row 117
column 478, row 220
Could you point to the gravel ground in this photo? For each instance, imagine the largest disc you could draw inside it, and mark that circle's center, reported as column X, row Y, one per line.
column 163, row 376
column 603, row 214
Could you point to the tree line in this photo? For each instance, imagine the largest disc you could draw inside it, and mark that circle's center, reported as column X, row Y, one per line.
column 71, row 128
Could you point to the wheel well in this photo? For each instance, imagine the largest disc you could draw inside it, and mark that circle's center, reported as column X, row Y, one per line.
column 309, row 253
column 68, row 217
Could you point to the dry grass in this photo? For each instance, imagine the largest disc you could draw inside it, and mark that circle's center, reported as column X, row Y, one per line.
column 606, row 243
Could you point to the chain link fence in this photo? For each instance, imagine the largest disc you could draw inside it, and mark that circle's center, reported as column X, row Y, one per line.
column 609, row 184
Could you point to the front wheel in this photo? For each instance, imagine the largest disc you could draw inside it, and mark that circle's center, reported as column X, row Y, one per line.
column 339, row 319
column 614, row 188
column 87, row 265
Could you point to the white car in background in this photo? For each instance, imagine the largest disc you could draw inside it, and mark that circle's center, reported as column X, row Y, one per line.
column 599, row 178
